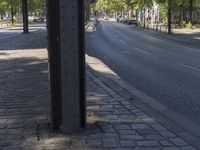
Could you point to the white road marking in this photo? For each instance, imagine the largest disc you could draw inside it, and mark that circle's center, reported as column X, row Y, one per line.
column 142, row 51
column 189, row 67
column 193, row 49
column 123, row 41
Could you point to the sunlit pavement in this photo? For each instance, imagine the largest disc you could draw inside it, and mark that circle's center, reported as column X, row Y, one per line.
column 9, row 32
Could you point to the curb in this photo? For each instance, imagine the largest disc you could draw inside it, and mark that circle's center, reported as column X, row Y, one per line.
column 175, row 121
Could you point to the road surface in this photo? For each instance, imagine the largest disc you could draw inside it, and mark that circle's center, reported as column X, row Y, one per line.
column 165, row 70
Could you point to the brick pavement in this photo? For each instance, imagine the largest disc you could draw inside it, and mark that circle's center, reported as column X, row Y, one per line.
column 114, row 122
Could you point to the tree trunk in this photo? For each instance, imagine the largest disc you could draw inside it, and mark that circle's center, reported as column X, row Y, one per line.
column 144, row 25
column 169, row 17
column 12, row 15
column 184, row 15
column 25, row 16
column 136, row 15
column 190, row 10
column 1, row 16
column 87, row 10
column 180, row 15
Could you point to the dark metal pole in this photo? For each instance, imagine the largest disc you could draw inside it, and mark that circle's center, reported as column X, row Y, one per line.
column 53, row 28
column 65, row 24
column 72, row 65
column 25, row 16
column 81, row 28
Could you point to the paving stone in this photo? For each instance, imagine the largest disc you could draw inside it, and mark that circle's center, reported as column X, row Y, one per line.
column 121, row 127
column 123, row 112
column 158, row 127
column 13, row 148
column 110, row 135
column 2, row 110
column 147, row 143
column 126, row 132
column 188, row 148
column 146, row 131
column 131, row 137
column 3, row 126
column 107, row 106
column 167, row 134
column 166, row 143
column 127, row 117
column 178, row 142
column 154, row 137
column 127, row 143
column 109, row 117
column 3, row 121
column 139, row 126
column 171, row 148
column 11, row 142
column 96, row 142
column 108, row 130
column 14, row 137
column 147, row 148
column 121, row 148
column 149, row 120
column 110, row 143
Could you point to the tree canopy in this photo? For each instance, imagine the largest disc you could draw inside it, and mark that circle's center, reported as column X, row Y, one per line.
column 34, row 6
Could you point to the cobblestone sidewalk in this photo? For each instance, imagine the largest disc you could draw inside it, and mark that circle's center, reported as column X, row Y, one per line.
column 114, row 122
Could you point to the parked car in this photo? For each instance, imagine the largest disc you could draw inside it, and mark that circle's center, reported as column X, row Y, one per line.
column 120, row 19
column 31, row 18
column 42, row 19
column 131, row 22
column 6, row 18
column 36, row 19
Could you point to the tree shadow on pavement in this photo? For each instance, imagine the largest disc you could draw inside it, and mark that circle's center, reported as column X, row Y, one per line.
column 24, row 96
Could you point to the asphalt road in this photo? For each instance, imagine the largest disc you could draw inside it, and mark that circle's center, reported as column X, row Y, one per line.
column 165, row 70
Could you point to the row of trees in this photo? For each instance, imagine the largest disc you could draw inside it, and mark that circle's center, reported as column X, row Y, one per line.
column 166, row 7
column 13, row 7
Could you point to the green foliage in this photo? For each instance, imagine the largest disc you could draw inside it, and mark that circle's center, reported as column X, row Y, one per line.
column 183, row 24
column 163, row 9
column 189, row 25
column 34, row 6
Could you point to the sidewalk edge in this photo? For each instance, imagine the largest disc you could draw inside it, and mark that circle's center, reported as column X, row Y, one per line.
column 169, row 113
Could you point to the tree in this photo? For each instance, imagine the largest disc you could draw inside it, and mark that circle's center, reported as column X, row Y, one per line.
column 3, row 7
column 34, row 6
